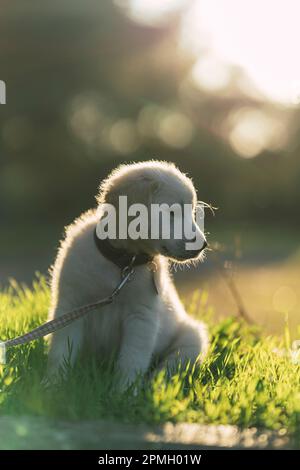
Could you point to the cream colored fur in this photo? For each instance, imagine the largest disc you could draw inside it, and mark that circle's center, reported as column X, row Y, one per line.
column 144, row 325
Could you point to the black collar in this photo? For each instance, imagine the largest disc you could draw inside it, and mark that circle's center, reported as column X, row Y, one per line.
column 118, row 256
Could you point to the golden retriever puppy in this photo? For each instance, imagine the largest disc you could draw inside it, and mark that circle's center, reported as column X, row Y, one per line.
column 146, row 324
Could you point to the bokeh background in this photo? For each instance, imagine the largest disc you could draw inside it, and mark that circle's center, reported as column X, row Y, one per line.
column 212, row 85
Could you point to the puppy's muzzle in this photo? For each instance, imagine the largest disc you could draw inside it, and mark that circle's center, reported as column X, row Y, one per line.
column 195, row 253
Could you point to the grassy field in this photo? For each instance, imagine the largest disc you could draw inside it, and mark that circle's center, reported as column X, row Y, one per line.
column 244, row 381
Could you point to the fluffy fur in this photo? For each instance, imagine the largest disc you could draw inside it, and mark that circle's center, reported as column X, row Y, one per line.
column 145, row 325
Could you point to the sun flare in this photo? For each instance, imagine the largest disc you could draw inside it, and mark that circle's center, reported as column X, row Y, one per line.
column 260, row 37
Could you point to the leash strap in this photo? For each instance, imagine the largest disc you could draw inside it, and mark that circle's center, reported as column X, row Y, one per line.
column 67, row 318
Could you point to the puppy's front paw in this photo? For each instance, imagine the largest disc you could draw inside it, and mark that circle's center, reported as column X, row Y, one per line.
column 51, row 380
column 54, row 377
column 132, row 389
column 124, row 382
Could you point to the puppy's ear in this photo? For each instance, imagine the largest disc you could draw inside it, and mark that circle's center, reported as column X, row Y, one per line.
column 143, row 189
column 154, row 187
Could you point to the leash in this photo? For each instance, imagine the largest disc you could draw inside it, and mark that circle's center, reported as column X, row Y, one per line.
column 69, row 317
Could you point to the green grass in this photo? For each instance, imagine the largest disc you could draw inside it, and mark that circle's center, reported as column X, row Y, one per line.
column 243, row 381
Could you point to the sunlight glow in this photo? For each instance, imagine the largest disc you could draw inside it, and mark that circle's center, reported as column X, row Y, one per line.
column 248, row 47
column 252, row 131
column 260, row 36
column 210, row 74
column 175, row 129
column 172, row 127
column 123, row 136
column 150, row 12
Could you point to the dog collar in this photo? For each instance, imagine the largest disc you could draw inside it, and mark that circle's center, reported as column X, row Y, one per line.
column 121, row 258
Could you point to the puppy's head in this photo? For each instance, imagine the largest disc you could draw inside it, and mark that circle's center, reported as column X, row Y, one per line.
column 168, row 224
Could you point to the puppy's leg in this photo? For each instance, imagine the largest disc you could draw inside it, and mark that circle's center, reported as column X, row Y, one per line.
column 188, row 347
column 64, row 348
column 138, row 342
